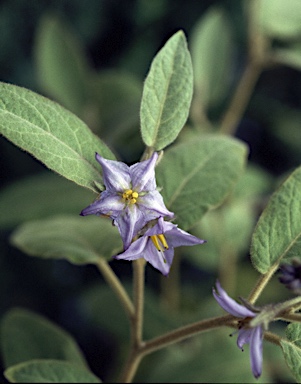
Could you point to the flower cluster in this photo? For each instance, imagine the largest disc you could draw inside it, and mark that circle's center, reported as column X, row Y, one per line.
column 132, row 201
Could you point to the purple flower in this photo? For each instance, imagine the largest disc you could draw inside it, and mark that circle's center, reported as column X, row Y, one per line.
column 246, row 334
column 157, row 245
column 130, row 198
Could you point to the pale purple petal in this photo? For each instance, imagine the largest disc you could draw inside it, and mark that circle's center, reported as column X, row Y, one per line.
column 152, row 202
column 116, row 174
column 129, row 222
column 108, row 204
column 159, row 260
column 230, row 305
column 135, row 250
column 244, row 336
column 256, row 351
column 143, row 174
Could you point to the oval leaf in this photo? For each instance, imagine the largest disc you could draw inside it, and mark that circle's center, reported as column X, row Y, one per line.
column 211, row 51
column 49, row 371
column 198, row 175
column 26, row 336
column 280, row 19
column 292, row 356
column 61, row 64
column 51, row 134
column 167, row 94
column 80, row 240
column 277, row 235
column 40, row 196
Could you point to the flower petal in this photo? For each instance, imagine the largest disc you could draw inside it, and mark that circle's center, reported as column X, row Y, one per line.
column 135, row 250
column 129, row 222
column 230, row 305
column 152, row 204
column 159, row 260
column 108, row 204
column 244, row 336
column 143, row 174
column 116, row 174
column 256, row 350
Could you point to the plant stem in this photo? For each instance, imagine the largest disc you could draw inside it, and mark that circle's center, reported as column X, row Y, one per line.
column 117, row 287
column 261, row 284
column 138, row 292
column 240, row 98
column 187, row 331
column 169, row 338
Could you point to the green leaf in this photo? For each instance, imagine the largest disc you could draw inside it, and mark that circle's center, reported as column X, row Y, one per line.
column 280, row 19
column 61, row 65
column 40, row 196
column 211, row 52
column 277, row 235
column 26, row 336
column 292, row 349
column 167, row 94
column 198, row 175
column 51, row 134
column 80, row 240
column 290, row 55
column 49, row 371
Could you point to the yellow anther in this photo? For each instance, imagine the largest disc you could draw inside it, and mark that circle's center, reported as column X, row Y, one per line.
column 163, row 240
column 130, row 196
column 156, row 242
column 159, row 242
column 127, row 194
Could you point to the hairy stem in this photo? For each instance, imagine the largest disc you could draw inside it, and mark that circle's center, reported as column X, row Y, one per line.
column 261, row 284
column 113, row 281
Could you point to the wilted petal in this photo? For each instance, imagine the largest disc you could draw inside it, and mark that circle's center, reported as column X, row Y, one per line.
column 256, row 351
column 230, row 305
column 143, row 174
column 116, row 174
column 244, row 336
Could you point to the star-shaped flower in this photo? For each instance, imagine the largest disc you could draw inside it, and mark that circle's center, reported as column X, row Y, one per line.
column 157, row 245
column 130, row 198
column 246, row 334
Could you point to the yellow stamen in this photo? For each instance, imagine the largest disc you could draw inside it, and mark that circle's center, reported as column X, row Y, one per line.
column 130, row 196
column 163, row 240
column 159, row 242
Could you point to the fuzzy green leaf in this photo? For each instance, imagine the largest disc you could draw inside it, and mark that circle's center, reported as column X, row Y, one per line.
column 26, row 336
column 40, row 196
column 211, row 52
column 49, row 371
column 291, row 349
column 198, row 175
column 51, row 134
column 277, row 235
column 80, row 240
column 167, row 94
